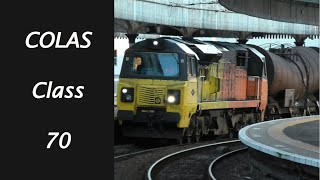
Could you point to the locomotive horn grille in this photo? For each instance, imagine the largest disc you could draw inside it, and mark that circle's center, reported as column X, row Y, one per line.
column 151, row 95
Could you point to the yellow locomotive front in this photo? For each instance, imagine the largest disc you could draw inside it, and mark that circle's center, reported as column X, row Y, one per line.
column 157, row 89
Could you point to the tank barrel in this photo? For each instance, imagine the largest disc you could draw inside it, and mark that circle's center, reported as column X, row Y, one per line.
column 296, row 68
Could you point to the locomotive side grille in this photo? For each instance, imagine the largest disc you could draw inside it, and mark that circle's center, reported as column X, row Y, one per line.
column 151, row 95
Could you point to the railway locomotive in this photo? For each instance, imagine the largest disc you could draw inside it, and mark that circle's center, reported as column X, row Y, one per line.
column 183, row 88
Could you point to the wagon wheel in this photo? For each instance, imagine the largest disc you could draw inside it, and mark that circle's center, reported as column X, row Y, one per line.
column 233, row 133
column 180, row 140
column 211, row 135
column 191, row 129
column 198, row 130
column 188, row 139
column 197, row 136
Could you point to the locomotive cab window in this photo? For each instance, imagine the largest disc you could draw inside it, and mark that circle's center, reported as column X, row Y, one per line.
column 205, row 74
column 192, row 66
column 152, row 65
column 241, row 59
column 264, row 72
column 137, row 64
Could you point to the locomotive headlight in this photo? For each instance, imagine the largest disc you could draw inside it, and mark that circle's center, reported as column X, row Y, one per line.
column 171, row 99
column 124, row 90
column 155, row 43
column 173, row 96
column 127, row 94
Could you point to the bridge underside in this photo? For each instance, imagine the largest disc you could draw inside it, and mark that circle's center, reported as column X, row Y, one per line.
column 298, row 11
column 197, row 20
column 120, row 27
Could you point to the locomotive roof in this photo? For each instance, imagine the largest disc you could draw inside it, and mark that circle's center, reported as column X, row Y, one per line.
column 189, row 46
column 229, row 46
column 197, row 45
column 203, row 50
column 256, row 52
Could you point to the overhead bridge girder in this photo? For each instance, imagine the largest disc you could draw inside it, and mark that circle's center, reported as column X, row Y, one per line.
column 210, row 16
column 299, row 11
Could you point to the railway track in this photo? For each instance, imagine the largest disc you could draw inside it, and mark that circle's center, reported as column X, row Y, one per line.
column 138, row 152
column 211, row 172
column 191, row 163
column 135, row 163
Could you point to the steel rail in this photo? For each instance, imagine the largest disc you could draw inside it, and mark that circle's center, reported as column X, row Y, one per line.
column 152, row 167
column 140, row 152
column 219, row 158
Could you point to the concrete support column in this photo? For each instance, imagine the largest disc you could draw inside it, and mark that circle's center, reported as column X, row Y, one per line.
column 132, row 38
column 243, row 37
column 242, row 41
column 187, row 38
column 186, row 31
column 300, row 39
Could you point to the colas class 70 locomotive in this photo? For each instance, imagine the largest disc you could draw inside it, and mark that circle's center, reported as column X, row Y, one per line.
column 186, row 88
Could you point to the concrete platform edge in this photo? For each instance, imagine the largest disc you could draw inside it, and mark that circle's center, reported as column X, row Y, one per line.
column 277, row 152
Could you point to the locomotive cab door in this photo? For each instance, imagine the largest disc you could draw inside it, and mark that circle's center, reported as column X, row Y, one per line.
column 203, row 84
column 192, row 71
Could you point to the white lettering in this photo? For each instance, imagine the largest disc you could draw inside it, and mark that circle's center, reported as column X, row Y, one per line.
column 78, row 89
column 34, row 90
column 51, row 41
column 84, row 37
column 58, row 91
column 28, row 39
column 73, row 40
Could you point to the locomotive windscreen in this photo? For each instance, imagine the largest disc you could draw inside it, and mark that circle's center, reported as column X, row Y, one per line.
column 151, row 64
